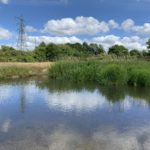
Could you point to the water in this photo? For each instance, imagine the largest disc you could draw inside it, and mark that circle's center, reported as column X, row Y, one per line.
column 50, row 115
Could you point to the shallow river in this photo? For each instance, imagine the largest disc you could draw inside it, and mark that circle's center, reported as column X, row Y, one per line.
column 50, row 115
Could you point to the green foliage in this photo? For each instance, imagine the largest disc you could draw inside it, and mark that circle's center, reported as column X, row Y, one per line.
column 114, row 74
column 10, row 54
column 118, row 50
column 40, row 52
column 146, row 53
column 139, row 77
column 148, row 44
column 75, row 71
column 96, row 49
column 13, row 72
column 104, row 73
column 135, row 53
column 53, row 52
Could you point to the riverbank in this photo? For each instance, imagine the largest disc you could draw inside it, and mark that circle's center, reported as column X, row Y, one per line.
column 134, row 73
column 22, row 70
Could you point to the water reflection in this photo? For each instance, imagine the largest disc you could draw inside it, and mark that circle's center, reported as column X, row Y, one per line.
column 78, row 97
column 78, row 101
column 62, row 139
column 51, row 115
column 82, row 97
column 6, row 125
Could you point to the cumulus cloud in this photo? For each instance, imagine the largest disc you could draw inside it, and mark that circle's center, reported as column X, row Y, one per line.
column 113, row 24
column 130, row 25
column 33, row 41
column 66, row 30
column 30, row 29
column 145, row 29
column 133, row 42
column 91, row 26
column 79, row 25
column 4, row 33
column 127, row 24
column 4, row 1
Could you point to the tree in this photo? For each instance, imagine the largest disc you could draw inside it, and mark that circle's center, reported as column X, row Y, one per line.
column 135, row 53
column 76, row 46
column 6, row 48
column 40, row 52
column 101, row 49
column 52, row 51
column 118, row 50
column 148, row 44
column 146, row 53
column 96, row 49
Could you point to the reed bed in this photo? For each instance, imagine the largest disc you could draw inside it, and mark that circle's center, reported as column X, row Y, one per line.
column 135, row 73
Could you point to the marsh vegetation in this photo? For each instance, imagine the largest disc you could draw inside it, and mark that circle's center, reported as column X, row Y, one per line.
column 105, row 73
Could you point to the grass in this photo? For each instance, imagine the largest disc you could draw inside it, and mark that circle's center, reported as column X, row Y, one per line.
column 22, row 70
column 134, row 73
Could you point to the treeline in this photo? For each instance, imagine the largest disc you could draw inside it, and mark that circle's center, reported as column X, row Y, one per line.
column 52, row 52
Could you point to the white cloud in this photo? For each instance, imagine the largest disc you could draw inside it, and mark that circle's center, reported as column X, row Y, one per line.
column 30, row 29
column 113, row 24
column 4, row 1
column 133, row 42
column 79, row 25
column 4, row 34
column 145, row 29
column 91, row 26
column 127, row 24
column 33, row 41
column 57, row 40
column 66, row 29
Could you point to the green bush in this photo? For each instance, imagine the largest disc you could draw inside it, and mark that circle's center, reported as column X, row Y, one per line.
column 114, row 74
column 139, row 77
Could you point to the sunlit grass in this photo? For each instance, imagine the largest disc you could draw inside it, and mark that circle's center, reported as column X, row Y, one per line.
column 21, row 70
column 104, row 73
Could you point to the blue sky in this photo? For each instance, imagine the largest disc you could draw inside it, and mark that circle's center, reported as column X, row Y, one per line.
column 105, row 22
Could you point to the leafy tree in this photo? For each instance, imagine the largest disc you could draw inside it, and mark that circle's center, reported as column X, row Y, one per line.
column 96, row 49
column 118, row 50
column 6, row 48
column 101, row 49
column 40, row 52
column 52, row 51
column 135, row 53
column 146, row 53
column 148, row 44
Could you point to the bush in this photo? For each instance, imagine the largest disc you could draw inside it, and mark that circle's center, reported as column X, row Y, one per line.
column 114, row 74
column 139, row 77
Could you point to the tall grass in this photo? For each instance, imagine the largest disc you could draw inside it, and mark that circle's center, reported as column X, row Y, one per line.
column 104, row 73
column 22, row 70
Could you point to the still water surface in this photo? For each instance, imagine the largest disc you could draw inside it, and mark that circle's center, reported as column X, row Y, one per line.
column 50, row 115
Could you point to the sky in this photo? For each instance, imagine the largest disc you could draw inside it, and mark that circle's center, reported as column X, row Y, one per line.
column 105, row 22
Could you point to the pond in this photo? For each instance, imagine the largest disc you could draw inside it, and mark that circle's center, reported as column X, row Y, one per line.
column 52, row 115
